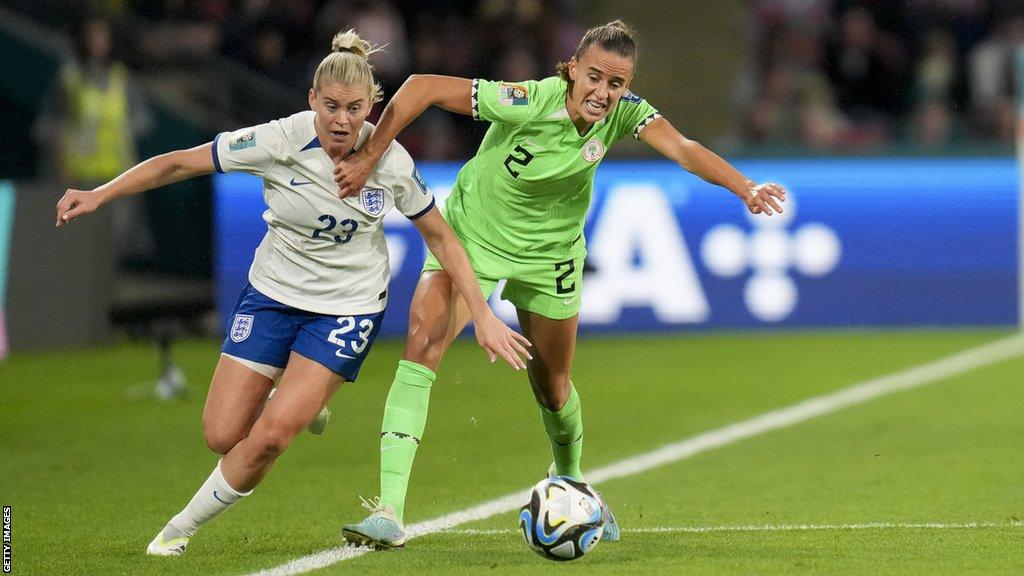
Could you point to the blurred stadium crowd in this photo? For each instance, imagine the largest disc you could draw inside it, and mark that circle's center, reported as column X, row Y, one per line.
column 824, row 75
column 869, row 74
column 245, row 61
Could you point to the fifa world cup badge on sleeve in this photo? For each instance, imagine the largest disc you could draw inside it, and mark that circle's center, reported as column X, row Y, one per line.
column 631, row 97
column 241, row 327
column 513, row 95
column 242, row 141
column 419, row 181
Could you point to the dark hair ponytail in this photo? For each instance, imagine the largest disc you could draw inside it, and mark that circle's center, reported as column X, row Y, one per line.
column 616, row 37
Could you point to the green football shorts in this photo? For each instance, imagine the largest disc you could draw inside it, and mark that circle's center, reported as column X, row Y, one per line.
column 551, row 289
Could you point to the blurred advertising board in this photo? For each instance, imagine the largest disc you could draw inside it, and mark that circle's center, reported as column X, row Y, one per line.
column 862, row 243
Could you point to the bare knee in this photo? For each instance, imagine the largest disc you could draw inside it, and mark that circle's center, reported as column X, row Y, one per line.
column 425, row 344
column 221, row 439
column 551, row 392
column 273, row 437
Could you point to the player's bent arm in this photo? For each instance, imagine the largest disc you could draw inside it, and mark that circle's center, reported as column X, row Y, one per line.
column 492, row 334
column 153, row 173
column 417, row 93
column 695, row 158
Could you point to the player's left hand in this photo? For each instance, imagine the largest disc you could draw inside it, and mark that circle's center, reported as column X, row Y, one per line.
column 75, row 203
column 765, row 198
column 497, row 339
column 352, row 173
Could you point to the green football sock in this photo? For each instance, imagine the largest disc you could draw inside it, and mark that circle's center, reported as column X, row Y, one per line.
column 405, row 416
column 565, row 431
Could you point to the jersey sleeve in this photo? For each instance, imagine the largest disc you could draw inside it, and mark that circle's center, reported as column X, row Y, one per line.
column 412, row 197
column 506, row 102
column 634, row 114
column 253, row 149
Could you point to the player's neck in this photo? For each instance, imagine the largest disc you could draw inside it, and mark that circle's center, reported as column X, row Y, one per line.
column 337, row 154
column 335, row 150
column 581, row 124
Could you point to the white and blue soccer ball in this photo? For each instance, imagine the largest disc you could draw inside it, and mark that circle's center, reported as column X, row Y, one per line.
column 562, row 520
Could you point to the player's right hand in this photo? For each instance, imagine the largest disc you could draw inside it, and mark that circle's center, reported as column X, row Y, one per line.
column 352, row 173
column 497, row 339
column 74, row 203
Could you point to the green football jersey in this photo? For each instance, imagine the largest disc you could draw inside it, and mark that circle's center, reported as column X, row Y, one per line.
column 526, row 192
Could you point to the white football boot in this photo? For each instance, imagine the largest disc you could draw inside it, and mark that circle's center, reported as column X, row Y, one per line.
column 173, row 545
column 381, row 530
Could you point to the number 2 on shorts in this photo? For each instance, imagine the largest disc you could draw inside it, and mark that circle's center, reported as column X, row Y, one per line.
column 570, row 268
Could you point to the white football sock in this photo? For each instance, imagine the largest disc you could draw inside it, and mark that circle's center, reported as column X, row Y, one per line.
column 212, row 499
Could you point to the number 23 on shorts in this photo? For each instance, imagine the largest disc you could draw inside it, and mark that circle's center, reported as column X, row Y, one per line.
column 343, row 338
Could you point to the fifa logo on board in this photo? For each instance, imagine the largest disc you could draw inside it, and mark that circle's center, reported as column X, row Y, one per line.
column 773, row 253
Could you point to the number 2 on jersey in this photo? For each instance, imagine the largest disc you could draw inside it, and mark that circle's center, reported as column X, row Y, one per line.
column 348, row 228
column 526, row 159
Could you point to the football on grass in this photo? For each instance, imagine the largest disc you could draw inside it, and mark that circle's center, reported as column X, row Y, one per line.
column 562, row 520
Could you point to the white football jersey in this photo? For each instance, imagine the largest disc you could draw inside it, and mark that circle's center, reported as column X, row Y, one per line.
column 321, row 253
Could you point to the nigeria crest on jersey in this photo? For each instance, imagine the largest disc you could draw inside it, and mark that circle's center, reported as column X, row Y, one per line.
column 373, row 200
column 241, row 327
column 593, row 150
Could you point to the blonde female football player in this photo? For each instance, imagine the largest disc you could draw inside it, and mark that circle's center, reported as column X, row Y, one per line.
column 519, row 206
column 318, row 282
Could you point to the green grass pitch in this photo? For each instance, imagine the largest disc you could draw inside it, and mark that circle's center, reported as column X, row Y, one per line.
column 92, row 470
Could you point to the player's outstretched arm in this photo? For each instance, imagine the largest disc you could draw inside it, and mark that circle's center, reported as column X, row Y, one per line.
column 418, row 92
column 759, row 199
column 153, row 173
column 492, row 334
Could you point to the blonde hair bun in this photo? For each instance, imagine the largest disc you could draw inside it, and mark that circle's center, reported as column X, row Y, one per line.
column 354, row 70
column 349, row 41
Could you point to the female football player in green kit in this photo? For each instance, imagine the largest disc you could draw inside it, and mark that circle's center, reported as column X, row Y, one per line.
column 519, row 207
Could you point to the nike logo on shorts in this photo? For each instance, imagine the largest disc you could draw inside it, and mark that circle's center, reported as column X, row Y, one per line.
column 294, row 182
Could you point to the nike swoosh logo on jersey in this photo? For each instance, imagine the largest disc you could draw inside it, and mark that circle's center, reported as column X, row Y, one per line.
column 340, row 355
column 303, row 183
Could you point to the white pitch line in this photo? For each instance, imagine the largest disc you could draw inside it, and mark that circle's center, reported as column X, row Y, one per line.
column 953, row 365
column 774, row 528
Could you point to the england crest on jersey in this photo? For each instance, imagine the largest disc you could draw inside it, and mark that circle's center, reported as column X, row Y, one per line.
column 373, row 200
column 241, row 327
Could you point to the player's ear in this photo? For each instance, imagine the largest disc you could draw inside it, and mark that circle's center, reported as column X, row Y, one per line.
column 572, row 68
column 312, row 99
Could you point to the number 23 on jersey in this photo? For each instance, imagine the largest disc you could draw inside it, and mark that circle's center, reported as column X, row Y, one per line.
column 347, row 227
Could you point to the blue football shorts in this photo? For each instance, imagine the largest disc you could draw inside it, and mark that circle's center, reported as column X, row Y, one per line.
column 265, row 331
